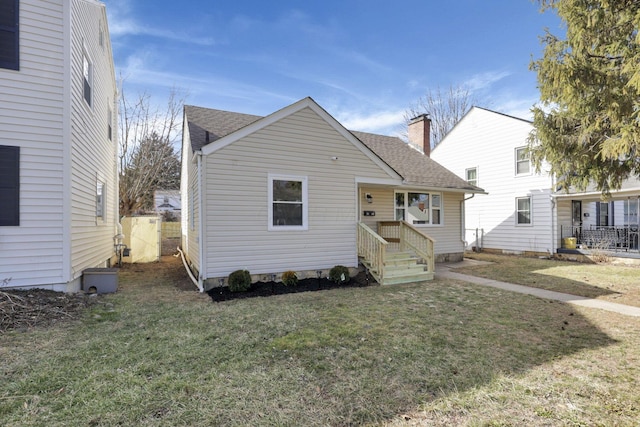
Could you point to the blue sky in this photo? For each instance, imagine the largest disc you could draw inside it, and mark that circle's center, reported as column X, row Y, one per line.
column 365, row 62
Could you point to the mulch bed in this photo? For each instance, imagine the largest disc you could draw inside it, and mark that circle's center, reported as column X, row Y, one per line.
column 22, row 310
column 265, row 289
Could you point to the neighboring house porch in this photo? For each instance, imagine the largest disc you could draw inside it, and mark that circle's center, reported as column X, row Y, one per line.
column 587, row 223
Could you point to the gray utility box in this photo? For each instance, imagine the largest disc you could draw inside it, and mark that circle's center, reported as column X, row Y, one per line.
column 100, row 280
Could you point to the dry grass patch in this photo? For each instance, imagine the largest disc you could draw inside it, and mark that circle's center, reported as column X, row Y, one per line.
column 437, row 352
column 615, row 283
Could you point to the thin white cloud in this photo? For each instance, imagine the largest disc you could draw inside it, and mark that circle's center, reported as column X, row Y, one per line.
column 483, row 81
column 122, row 23
column 137, row 75
column 379, row 122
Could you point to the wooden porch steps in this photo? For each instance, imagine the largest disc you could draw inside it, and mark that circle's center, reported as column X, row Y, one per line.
column 401, row 267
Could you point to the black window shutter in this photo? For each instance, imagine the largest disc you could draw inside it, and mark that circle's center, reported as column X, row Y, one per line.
column 9, row 41
column 9, row 186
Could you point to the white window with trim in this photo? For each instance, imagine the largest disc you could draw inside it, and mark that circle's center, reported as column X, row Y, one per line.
column 288, row 203
column 523, row 161
column 100, row 199
column 87, row 78
column 471, row 175
column 523, row 210
column 418, row 208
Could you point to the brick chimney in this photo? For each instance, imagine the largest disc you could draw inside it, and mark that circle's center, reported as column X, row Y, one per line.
column 420, row 133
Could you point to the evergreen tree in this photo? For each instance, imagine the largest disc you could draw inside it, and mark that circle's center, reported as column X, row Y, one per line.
column 587, row 127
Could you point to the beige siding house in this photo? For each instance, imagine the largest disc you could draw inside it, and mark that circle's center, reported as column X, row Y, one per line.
column 58, row 140
column 289, row 191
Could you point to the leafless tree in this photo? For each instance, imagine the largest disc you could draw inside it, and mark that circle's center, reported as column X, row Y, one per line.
column 444, row 107
column 148, row 159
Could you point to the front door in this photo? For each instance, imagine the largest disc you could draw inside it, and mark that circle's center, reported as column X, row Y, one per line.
column 576, row 213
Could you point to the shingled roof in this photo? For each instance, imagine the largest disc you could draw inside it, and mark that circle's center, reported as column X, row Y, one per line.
column 217, row 122
column 414, row 167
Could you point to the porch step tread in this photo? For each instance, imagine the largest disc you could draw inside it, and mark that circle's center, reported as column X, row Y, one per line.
column 401, row 272
column 408, row 278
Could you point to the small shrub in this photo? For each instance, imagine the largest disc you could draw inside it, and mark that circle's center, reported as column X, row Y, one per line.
column 339, row 274
column 289, row 278
column 239, row 281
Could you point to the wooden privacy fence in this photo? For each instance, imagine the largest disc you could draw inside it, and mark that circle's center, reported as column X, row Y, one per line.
column 170, row 230
column 171, row 233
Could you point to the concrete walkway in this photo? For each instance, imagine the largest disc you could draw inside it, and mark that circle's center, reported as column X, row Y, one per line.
column 445, row 270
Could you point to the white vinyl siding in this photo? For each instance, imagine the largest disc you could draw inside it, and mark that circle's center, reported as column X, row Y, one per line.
column 489, row 140
column 236, row 202
column 60, row 149
column 190, row 202
column 93, row 155
column 31, row 117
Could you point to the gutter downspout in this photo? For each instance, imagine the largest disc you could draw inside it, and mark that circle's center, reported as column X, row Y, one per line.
column 200, row 224
column 552, row 248
column 463, row 230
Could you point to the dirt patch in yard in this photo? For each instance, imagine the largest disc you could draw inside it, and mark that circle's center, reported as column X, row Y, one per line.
column 21, row 310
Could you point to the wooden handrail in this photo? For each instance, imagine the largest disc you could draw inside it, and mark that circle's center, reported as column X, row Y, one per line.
column 372, row 248
column 421, row 244
column 409, row 238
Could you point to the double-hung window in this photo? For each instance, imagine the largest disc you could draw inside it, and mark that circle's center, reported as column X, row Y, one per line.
column 523, row 210
column 100, row 198
column 288, row 203
column 523, row 161
column 418, row 208
column 87, row 78
column 9, row 39
column 472, row 176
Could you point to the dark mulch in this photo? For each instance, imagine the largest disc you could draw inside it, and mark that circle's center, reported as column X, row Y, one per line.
column 265, row 289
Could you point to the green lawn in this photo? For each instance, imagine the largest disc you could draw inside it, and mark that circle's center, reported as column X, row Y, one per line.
column 607, row 281
column 436, row 353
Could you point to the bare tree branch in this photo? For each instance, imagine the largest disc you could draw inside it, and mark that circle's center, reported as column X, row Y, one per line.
column 445, row 108
column 148, row 159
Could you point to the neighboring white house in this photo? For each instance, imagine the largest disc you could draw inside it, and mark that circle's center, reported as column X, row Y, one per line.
column 523, row 212
column 168, row 201
column 297, row 191
column 58, row 143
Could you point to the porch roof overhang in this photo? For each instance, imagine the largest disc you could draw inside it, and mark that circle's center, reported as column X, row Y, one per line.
column 407, row 185
column 597, row 195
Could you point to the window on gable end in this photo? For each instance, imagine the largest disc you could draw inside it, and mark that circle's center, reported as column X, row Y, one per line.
column 288, row 203
column 472, row 176
column 9, row 34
